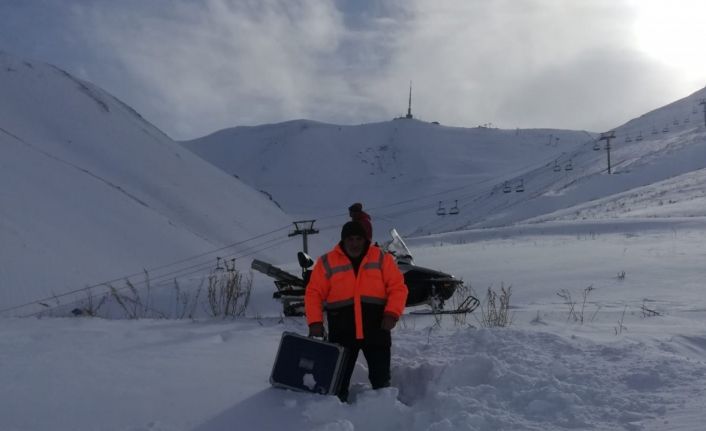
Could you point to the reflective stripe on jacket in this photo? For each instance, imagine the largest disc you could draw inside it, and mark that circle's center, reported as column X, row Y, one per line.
column 334, row 283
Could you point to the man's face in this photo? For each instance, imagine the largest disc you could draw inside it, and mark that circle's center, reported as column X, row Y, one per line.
column 354, row 245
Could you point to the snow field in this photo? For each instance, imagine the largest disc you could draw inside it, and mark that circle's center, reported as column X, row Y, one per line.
column 545, row 372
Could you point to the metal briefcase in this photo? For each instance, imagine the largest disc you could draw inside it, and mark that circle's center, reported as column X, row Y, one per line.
column 308, row 364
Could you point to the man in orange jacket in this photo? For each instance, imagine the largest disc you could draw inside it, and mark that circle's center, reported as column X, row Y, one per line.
column 365, row 295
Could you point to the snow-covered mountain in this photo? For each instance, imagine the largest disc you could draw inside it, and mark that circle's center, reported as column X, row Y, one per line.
column 404, row 170
column 90, row 191
column 93, row 192
column 651, row 166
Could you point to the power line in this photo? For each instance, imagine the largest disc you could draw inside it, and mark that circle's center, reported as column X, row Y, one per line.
column 155, row 269
column 161, row 280
column 202, row 265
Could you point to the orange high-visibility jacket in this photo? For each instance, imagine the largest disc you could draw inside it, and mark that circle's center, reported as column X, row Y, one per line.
column 333, row 282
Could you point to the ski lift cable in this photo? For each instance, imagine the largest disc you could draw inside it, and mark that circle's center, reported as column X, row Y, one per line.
column 472, row 198
column 423, row 207
column 209, row 263
column 410, row 200
column 155, row 268
column 187, row 259
column 170, row 275
column 184, row 260
column 159, row 281
column 196, row 268
column 158, row 284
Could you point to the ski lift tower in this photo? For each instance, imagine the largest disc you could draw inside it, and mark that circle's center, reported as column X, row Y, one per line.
column 304, row 228
column 607, row 136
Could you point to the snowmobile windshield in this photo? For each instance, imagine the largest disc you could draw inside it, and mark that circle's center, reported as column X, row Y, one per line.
column 398, row 248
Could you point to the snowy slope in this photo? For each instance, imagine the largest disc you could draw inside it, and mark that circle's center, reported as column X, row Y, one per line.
column 399, row 169
column 403, row 168
column 91, row 191
column 545, row 372
column 659, row 164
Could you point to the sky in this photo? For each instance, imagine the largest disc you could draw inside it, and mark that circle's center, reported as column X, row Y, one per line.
column 194, row 67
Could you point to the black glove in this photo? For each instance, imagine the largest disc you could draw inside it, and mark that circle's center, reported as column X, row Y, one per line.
column 316, row 330
column 388, row 322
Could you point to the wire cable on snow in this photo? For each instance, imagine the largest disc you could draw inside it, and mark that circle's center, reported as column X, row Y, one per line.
column 155, row 269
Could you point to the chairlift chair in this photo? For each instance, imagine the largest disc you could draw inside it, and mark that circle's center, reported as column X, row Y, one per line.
column 454, row 209
column 557, row 168
column 639, row 137
column 569, row 166
column 675, row 122
column 666, row 129
column 507, row 188
column 686, row 120
column 628, row 138
column 520, row 187
column 596, row 146
column 441, row 210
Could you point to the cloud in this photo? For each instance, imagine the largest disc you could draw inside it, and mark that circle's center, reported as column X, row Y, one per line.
column 206, row 65
column 195, row 67
column 596, row 91
column 526, row 64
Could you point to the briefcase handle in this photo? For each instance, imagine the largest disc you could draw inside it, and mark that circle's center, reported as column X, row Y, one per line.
column 324, row 337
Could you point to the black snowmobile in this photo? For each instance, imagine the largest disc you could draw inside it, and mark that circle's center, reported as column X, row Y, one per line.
column 426, row 286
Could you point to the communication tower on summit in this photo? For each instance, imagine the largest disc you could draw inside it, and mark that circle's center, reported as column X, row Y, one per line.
column 409, row 108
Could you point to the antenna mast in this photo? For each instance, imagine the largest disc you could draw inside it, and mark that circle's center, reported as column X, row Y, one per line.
column 409, row 109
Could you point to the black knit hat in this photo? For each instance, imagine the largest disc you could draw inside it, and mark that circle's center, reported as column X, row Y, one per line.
column 356, row 207
column 352, row 228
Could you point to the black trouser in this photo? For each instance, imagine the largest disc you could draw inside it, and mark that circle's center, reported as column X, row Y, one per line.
column 375, row 345
column 378, row 358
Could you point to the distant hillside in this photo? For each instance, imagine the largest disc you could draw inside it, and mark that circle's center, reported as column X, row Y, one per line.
column 658, row 156
column 91, row 191
column 399, row 169
column 404, row 170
